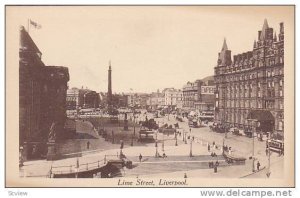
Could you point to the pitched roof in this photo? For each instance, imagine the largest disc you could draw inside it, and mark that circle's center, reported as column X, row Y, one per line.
column 26, row 42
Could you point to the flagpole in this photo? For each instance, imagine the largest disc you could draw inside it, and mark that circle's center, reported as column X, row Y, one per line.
column 28, row 25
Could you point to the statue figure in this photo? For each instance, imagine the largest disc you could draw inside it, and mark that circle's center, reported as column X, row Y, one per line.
column 52, row 133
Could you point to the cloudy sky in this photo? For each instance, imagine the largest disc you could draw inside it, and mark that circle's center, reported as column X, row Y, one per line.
column 150, row 48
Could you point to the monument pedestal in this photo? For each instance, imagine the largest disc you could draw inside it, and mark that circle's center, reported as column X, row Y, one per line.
column 52, row 153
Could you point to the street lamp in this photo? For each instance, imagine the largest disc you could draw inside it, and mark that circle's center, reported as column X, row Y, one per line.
column 156, row 152
column 163, row 144
column 113, row 137
column 253, row 124
column 133, row 122
column 121, row 147
column 269, row 156
column 191, row 145
column 176, row 144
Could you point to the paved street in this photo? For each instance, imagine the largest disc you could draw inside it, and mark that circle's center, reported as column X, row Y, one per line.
column 177, row 161
column 241, row 145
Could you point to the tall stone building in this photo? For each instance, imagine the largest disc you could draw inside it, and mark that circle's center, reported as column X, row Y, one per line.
column 199, row 95
column 42, row 98
column 251, row 86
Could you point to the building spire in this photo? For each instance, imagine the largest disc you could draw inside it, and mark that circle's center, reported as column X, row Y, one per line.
column 254, row 45
column 275, row 37
column 110, row 64
column 264, row 29
column 224, row 45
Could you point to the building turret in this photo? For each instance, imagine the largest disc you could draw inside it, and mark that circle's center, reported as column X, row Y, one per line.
column 225, row 55
column 275, row 37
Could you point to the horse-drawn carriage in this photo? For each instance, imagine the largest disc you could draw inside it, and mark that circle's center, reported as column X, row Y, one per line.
column 218, row 128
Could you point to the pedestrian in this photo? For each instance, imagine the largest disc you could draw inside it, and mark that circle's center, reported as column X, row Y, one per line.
column 258, row 165
column 217, row 163
column 88, row 145
column 215, row 168
column 140, row 157
column 267, row 152
column 208, row 147
column 185, row 176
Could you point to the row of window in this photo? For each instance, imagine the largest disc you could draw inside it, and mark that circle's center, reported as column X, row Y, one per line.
column 250, row 93
column 269, row 104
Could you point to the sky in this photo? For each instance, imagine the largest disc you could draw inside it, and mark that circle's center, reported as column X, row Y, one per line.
column 150, row 47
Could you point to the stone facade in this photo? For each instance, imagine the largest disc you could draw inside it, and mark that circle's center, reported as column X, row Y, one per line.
column 173, row 97
column 252, row 82
column 42, row 97
column 199, row 95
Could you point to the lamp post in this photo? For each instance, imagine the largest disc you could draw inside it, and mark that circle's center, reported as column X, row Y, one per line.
column 163, row 144
column 225, row 115
column 176, row 144
column 253, row 123
column 156, row 152
column 121, row 148
column 269, row 156
column 133, row 122
column 191, row 145
column 113, row 137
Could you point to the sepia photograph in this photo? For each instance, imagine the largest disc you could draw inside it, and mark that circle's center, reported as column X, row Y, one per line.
column 150, row 96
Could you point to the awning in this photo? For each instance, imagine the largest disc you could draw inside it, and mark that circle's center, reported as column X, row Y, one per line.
column 260, row 115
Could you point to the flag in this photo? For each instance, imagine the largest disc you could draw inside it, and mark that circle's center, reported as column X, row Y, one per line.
column 36, row 25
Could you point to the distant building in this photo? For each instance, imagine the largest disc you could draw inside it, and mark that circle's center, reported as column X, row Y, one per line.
column 137, row 100
column 120, row 100
column 173, row 97
column 251, row 86
column 42, row 98
column 206, row 99
column 156, row 100
column 199, row 95
column 82, row 98
column 191, row 92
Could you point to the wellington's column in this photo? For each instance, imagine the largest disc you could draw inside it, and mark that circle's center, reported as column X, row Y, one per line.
column 109, row 91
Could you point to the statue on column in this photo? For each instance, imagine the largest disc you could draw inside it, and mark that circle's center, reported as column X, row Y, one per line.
column 52, row 133
column 52, row 152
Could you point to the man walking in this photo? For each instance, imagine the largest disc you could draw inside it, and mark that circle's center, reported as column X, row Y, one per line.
column 258, row 165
